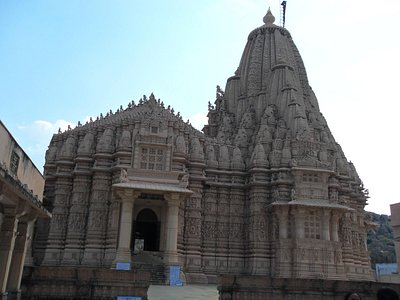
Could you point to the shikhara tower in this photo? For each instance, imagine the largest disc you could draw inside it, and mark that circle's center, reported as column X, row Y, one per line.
column 264, row 190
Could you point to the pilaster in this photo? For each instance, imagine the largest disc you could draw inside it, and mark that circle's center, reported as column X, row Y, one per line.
column 258, row 263
column 112, row 231
column 299, row 223
column 97, row 219
column 222, row 229
column 326, row 216
column 74, row 242
column 334, row 227
column 59, row 221
column 283, row 222
column 193, row 223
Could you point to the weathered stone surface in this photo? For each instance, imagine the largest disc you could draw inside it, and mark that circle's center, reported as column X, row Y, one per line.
column 83, row 283
column 268, row 288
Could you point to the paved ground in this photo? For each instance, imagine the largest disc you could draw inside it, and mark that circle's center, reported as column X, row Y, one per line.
column 190, row 292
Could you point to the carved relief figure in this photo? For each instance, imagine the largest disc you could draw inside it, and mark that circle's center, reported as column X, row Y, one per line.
column 123, row 176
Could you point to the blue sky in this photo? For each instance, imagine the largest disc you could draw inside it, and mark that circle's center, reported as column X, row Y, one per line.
column 64, row 61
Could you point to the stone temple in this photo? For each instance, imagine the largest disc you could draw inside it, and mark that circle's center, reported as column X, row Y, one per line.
column 264, row 190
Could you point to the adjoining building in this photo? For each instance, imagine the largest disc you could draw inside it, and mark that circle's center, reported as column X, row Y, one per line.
column 21, row 196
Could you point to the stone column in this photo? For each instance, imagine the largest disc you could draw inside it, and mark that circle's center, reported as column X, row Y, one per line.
column 299, row 223
column 171, row 254
column 128, row 198
column 18, row 258
column 334, row 227
column 7, row 242
column 326, row 215
column 283, row 222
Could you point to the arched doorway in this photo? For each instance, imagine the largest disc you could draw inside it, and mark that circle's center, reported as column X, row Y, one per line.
column 146, row 229
column 387, row 294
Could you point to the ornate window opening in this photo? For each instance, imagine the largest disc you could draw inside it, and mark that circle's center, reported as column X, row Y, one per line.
column 309, row 177
column 14, row 162
column 152, row 158
column 312, row 226
column 154, row 129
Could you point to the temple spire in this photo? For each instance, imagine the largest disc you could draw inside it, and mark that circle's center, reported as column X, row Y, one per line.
column 269, row 18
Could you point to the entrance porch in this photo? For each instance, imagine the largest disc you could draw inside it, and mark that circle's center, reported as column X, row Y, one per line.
column 148, row 220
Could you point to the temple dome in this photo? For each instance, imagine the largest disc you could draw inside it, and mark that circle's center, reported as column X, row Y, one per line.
column 271, row 72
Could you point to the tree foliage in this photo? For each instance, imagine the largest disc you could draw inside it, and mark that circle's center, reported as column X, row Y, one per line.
column 380, row 240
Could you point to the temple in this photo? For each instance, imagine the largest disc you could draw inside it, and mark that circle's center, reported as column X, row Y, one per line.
column 264, row 190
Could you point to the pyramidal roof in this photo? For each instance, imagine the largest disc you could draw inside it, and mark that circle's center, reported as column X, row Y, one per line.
column 148, row 109
column 269, row 102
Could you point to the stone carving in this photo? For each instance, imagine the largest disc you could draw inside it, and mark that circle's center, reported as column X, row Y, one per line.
column 293, row 196
column 105, row 143
column 237, row 159
column 97, row 220
column 259, row 157
column 125, row 141
column 123, row 176
column 76, row 222
column 209, row 230
column 247, row 121
column 223, row 159
column 51, row 153
column 264, row 137
column 227, row 123
column 268, row 117
column 180, row 144
column 241, row 139
column 58, row 222
column 86, row 146
column 184, row 181
column 196, row 150
column 210, row 153
column 68, row 148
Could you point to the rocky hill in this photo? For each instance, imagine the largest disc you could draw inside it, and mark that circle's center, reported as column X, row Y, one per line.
column 380, row 240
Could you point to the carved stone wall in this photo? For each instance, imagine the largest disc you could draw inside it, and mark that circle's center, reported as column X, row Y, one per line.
column 273, row 193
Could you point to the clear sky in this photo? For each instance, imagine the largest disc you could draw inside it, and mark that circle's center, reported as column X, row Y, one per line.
column 64, row 61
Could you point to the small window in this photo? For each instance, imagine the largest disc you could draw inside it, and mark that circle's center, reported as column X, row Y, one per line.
column 14, row 162
column 154, row 129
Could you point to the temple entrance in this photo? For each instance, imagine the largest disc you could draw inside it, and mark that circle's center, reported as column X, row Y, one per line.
column 146, row 231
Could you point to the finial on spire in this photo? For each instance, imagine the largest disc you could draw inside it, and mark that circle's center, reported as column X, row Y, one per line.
column 269, row 18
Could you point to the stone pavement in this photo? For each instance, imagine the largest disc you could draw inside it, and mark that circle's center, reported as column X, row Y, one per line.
column 191, row 292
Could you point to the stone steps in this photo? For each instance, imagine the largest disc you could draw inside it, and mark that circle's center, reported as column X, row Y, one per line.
column 150, row 262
